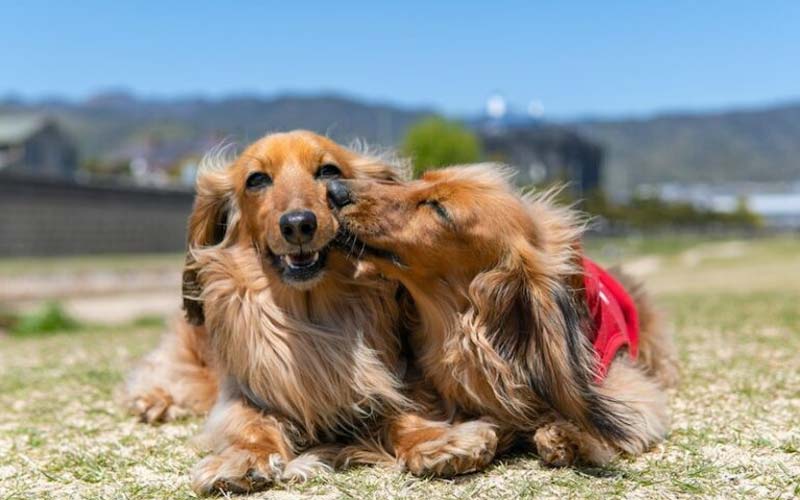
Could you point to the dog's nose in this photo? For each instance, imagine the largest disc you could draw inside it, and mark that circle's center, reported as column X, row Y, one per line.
column 298, row 227
column 338, row 193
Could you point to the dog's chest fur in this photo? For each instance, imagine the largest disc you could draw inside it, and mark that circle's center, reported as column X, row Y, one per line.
column 326, row 359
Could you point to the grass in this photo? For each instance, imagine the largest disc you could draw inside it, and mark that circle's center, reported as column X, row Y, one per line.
column 21, row 266
column 50, row 318
column 736, row 431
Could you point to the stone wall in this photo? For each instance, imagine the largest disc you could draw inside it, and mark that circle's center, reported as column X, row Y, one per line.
column 41, row 217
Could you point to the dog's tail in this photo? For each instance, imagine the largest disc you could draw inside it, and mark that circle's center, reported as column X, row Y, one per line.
column 658, row 356
column 563, row 367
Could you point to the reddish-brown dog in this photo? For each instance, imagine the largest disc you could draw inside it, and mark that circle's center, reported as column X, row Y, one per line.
column 501, row 325
column 304, row 360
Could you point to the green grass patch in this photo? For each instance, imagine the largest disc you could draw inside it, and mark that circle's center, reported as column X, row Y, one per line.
column 50, row 318
column 148, row 321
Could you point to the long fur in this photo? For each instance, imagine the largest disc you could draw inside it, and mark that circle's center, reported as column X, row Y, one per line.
column 328, row 374
column 309, row 376
column 502, row 327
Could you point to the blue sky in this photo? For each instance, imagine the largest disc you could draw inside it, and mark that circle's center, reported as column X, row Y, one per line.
column 576, row 58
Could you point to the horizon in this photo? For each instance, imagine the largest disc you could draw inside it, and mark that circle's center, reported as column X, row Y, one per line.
column 15, row 98
column 571, row 61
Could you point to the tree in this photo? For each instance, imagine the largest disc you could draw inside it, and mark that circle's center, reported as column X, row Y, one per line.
column 436, row 142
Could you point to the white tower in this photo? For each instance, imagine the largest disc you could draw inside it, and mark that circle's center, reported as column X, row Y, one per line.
column 496, row 106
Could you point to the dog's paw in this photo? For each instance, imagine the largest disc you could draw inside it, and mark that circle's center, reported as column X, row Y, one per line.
column 236, row 470
column 555, row 446
column 156, row 406
column 461, row 449
column 304, row 467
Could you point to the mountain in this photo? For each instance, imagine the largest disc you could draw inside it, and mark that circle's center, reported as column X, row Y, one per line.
column 749, row 145
column 111, row 122
column 740, row 145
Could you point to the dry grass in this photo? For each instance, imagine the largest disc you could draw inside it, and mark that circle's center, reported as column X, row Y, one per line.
column 736, row 432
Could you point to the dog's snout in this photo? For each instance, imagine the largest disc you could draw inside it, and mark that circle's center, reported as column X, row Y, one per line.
column 339, row 193
column 298, row 227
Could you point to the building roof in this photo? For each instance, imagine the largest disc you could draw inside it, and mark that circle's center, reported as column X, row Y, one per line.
column 16, row 128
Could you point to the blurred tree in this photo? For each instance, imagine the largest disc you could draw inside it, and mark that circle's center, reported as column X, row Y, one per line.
column 436, row 142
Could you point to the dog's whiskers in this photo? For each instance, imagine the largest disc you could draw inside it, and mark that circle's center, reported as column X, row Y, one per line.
column 363, row 249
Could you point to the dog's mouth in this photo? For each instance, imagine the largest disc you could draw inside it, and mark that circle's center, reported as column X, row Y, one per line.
column 302, row 266
column 300, row 261
column 356, row 249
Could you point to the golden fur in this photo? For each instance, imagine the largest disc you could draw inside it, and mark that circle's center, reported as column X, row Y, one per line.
column 500, row 320
column 309, row 371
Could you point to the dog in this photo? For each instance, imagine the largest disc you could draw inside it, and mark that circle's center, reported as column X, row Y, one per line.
column 503, row 318
column 304, row 361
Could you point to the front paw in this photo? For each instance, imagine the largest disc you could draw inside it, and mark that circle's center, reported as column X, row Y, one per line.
column 156, row 406
column 555, row 446
column 463, row 448
column 236, row 470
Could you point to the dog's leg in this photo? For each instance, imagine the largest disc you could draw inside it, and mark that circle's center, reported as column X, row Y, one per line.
column 250, row 450
column 439, row 448
column 175, row 379
column 560, row 443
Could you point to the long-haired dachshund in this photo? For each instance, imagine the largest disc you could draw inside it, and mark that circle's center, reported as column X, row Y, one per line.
column 510, row 322
column 304, row 361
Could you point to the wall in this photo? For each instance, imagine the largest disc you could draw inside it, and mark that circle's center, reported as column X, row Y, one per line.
column 49, row 217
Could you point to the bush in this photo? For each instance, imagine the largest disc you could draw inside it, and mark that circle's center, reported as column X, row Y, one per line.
column 436, row 142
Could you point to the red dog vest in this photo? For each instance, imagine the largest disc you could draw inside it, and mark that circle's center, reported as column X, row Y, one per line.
column 616, row 323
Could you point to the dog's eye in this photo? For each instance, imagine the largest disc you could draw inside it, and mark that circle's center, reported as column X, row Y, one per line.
column 258, row 180
column 328, row 171
column 440, row 210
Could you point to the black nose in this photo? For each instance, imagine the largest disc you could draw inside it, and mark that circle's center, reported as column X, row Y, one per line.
column 338, row 193
column 298, row 227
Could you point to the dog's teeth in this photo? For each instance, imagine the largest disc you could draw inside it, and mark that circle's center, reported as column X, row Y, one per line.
column 300, row 260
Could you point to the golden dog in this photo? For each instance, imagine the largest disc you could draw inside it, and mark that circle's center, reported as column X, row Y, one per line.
column 501, row 325
column 304, row 361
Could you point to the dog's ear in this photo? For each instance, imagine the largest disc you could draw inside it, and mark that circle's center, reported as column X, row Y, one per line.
column 535, row 319
column 208, row 225
column 383, row 167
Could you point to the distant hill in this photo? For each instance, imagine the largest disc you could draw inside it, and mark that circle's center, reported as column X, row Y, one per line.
column 753, row 145
column 111, row 122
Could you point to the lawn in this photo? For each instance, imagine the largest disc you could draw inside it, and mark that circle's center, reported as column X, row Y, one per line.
column 735, row 307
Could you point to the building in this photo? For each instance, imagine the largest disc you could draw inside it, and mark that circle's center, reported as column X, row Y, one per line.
column 546, row 154
column 36, row 145
column 158, row 162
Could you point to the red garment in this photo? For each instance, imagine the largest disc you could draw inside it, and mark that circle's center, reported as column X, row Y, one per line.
column 616, row 323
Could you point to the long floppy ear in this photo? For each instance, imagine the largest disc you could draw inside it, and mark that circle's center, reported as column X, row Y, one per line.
column 209, row 224
column 536, row 322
